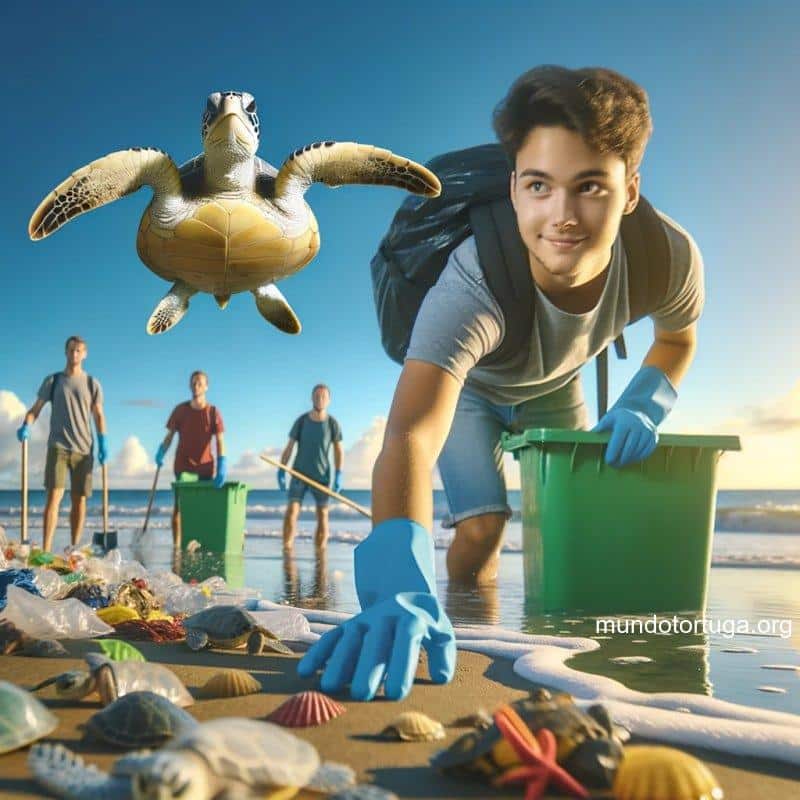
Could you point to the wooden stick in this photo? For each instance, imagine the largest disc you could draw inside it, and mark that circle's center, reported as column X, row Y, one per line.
column 105, row 498
column 150, row 501
column 311, row 482
column 23, row 536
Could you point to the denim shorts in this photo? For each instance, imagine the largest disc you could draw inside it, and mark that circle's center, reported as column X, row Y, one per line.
column 298, row 489
column 471, row 462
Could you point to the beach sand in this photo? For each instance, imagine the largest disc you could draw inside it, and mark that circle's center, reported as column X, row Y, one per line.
column 401, row 767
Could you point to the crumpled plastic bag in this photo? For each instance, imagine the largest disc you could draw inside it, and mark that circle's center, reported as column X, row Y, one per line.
column 112, row 569
column 49, row 584
column 285, row 622
column 16, row 577
column 53, row 619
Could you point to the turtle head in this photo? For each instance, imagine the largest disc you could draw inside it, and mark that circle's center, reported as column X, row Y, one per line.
column 230, row 123
column 173, row 774
column 72, row 685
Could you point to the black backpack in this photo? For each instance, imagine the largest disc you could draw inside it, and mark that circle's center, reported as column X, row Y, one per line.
column 474, row 200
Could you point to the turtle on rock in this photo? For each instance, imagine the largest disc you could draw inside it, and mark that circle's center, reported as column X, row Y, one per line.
column 226, row 221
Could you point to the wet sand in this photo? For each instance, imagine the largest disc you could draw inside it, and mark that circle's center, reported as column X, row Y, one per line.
column 351, row 739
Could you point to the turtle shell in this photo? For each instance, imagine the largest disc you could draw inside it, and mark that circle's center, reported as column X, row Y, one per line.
column 230, row 626
column 139, row 719
column 258, row 754
column 589, row 748
column 23, row 718
column 43, row 648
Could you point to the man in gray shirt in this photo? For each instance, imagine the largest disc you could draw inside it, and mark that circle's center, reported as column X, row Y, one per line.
column 315, row 434
column 76, row 397
column 575, row 139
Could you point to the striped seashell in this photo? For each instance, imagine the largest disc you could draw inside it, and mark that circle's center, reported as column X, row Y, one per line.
column 306, row 709
column 413, row 726
column 230, row 683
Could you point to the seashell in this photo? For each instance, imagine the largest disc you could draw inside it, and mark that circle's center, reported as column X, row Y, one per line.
column 413, row 726
column 230, row 683
column 305, row 709
column 647, row 772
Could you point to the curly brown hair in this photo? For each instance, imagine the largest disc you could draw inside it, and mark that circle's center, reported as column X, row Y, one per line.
column 608, row 110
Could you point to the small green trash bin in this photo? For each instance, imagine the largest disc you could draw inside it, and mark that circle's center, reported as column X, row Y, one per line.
column 600, row 539
column 214, row 517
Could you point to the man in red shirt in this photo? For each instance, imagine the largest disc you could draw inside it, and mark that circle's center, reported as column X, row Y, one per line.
column 195, row 422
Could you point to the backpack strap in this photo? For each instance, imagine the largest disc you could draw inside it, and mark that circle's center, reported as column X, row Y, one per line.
column 213, row 421
column 499, row 243
column 53, row 386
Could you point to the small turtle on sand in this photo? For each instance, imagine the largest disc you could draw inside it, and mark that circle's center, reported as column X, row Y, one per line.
column 226, row 221
column 23, row 718
column 229, row 627
column 223, row 758
column 112, row 679
column 138, row 719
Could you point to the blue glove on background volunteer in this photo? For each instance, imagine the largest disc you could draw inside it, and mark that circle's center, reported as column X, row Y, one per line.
column 160, row 453
column 102, row 448
column 633, row 420
column 23, row 432
column 337, row 481
column 282, row 479
column 222, row 472
column 394, row 576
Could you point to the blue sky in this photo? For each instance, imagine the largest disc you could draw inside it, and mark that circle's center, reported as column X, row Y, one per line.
column 86, row 79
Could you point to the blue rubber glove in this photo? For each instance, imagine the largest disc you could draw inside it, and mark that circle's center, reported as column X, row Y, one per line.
column 102, row 448
column 633, row 420
column 222, row 471
column 160, row 453
column 282, row 479
column 23, row 432
column 337, row 481
column 397, row 591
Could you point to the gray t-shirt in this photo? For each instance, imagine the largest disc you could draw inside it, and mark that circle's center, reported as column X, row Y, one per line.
column 460, row 321
column 71, row 416
column 314, row 440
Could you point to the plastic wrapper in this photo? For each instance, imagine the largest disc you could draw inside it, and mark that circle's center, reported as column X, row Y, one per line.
column 53, row 619
column 49, row 583
column 283, row 621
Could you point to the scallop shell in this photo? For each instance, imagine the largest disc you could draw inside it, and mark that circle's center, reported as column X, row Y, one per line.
column 230, row 683
column 647, row 772
column 413, row 726
column 305, row 709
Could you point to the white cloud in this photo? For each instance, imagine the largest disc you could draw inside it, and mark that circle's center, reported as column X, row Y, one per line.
column 12, row 410
column 131, row 467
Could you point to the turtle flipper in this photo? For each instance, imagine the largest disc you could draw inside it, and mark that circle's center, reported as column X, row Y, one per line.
column 338, row 163
column 272, row 305
column 101, row 182
column 170, row 310
column 64, row 774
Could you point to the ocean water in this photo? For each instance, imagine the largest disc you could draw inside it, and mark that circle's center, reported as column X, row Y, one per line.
column 752, row 620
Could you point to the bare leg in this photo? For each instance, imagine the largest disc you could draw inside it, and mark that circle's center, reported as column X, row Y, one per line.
column 474, row 552
column 77, row 516
column 176, row 526
column 321, row 535
column 50, row 517
column 290, row 524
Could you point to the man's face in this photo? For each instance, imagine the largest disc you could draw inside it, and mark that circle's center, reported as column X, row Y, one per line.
column 569, row 201
column 320, row 398
column 198, row 385
column 76, row 352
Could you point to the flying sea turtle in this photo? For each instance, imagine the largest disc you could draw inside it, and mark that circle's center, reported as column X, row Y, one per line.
column 226, row 221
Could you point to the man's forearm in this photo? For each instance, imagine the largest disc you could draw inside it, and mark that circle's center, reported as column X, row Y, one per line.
column 672, row 358
column 100, row 422
column 401, row 481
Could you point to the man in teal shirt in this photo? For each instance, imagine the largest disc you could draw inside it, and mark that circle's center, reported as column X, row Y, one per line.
column 315, row 433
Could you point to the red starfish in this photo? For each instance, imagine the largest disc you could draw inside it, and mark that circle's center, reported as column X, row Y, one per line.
column 538, row 756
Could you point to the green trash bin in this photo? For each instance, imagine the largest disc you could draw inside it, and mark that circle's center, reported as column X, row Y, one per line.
column 603, row 540
column 214, row 517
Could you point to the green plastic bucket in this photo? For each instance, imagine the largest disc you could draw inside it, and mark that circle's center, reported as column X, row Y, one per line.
column 601, row 539
column 214, row 517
